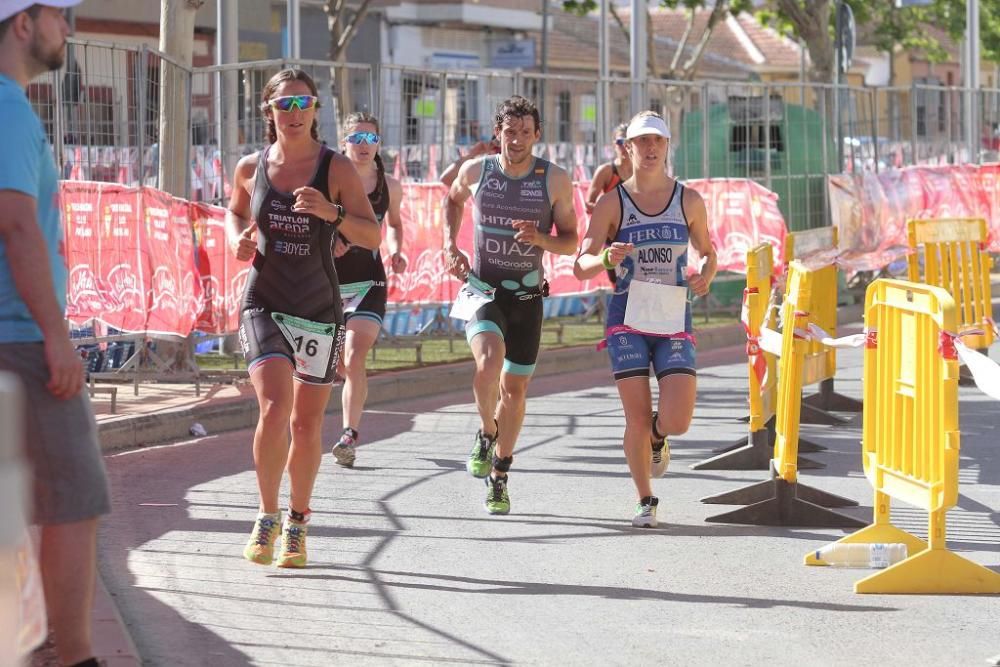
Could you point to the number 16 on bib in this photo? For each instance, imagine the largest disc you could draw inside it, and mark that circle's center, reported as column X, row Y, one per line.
column 314, row 344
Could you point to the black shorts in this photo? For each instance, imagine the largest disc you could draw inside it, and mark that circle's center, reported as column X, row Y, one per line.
column 518, row 321
column 262, row 340
column 372, row 307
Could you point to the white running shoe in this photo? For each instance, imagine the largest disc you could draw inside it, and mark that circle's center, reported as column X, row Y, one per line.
column 645, row 513
column 660, row 459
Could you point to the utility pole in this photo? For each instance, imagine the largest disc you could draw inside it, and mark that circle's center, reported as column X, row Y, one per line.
column 176, row 41
column 227, row 111
column 971, row 82
column 294, row 30
column 545, row 53
column 637, row 55
column 603, row 102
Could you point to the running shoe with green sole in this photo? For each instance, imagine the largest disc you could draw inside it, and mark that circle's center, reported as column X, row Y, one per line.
column 260, row 547
column 645, row 513
column 480, row 461
column 497, row 497
column 293, row 544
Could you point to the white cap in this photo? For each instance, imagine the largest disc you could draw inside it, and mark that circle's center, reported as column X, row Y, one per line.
column 10, row 7
column 647, row 125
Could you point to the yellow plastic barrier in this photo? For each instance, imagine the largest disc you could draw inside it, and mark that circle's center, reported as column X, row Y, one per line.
column 910, row 437
column 820, row 246
column 753, row 452
column 781, row 500
column 956, row 259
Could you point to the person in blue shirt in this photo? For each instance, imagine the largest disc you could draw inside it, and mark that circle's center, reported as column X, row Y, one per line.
column 60, row 435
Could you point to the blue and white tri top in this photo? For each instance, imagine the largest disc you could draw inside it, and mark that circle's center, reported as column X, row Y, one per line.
column 660, row 255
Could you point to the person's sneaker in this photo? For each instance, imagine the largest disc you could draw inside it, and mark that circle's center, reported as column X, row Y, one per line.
column 660, row 451
column 260, row 547
column 480, row 461
column 497, row 498
column 293, row 544
column 343, row 451
column 660, row 458
column 645, row 512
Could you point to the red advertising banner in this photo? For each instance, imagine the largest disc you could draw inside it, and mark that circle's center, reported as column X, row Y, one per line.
column 86, row 293
column 121, row 260
column 870, row 211
column 211, row 259
column 741, row 215
column 174, row 286
column 141, row 260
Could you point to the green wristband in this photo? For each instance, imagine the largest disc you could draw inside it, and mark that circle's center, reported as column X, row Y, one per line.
column 606, row 259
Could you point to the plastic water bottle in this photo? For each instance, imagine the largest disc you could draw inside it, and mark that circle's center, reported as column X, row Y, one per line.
column 878, row 555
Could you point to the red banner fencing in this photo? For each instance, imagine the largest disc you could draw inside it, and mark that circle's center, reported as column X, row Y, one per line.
column 871, row 210
column 143, row 261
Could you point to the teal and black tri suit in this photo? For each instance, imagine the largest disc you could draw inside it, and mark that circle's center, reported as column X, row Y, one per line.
column 361, row 264
column 514, row 269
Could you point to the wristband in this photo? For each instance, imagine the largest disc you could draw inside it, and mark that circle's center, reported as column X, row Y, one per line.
column 606, row 259
column 340, row 215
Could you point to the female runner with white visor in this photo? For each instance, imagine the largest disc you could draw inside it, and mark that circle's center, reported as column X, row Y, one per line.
column 650, row 219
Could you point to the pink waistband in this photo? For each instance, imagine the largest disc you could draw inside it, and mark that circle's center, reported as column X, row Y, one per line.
column 621, row 328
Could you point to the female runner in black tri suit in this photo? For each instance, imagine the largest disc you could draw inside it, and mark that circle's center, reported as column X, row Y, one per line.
column 291, row 322
column 360, row 267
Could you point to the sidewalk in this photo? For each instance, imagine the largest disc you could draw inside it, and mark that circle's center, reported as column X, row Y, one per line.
column 405, row 565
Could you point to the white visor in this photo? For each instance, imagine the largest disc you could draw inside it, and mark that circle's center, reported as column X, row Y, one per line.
column 647, row 125
column 10, row 7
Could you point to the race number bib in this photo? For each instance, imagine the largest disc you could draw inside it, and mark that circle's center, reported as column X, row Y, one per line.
column 656, row 309
column 313, row 343
column 352, row 294
column 473, row 295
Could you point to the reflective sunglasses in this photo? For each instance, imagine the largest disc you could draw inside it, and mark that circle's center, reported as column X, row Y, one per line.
column 290, row 102
column 363, row 138
column 619, row 141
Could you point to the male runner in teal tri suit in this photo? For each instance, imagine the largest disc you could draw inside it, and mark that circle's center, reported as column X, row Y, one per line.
column 518, row 200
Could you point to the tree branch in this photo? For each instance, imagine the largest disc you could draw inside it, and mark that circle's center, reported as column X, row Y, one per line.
column 348, row 31
column 676, row 61
column 618, row 20
column 651, row 66
column 719, row 12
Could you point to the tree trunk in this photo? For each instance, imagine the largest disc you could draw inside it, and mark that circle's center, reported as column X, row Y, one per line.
column 176, row 41
column 342, row 31
column 812, row 23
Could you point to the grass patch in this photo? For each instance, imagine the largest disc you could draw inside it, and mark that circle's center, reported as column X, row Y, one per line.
column 441, row 350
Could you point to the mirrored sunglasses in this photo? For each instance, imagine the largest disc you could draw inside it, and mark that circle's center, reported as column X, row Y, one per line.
column 620, row 141
column 363, row 138
column 290, row 102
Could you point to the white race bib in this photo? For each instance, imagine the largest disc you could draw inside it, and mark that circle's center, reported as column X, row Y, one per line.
column 473, row 295
column 312, row 343
column 656, row 309
column 352, row 294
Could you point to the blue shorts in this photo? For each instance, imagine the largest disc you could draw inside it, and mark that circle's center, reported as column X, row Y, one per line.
column 632, row 353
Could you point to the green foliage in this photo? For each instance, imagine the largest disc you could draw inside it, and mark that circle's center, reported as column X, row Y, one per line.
column 907, row 27
column 583, row 7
